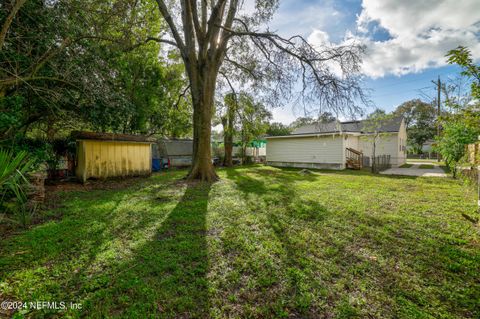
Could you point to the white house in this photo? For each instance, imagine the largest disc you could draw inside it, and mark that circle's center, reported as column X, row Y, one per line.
column 331, row 145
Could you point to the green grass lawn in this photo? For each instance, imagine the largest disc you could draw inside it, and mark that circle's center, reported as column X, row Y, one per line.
column 406, row 165
column 262, row 242
column 425, row 161
column 426, row 166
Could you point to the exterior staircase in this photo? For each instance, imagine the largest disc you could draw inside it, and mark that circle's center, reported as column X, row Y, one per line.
column 354, row 158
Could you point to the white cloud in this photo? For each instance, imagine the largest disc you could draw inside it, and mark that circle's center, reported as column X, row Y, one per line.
column 322, row 39
column 319, row 37
column 422, row 32
column 297, row 18
column 401, row 56
column 409, row 18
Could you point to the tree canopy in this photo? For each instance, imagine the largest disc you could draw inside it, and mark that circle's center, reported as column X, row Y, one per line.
column 278, row 129
column 86, row 65
column 420, row 120
column 156, row 67
column 461, row 126
column 222, row 45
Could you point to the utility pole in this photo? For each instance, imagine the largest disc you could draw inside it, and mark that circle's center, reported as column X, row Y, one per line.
column 439, row 86
column 438, row 83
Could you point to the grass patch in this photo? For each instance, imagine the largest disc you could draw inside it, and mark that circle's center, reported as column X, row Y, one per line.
column 406, row 165
column 445, row 168
column 425, row 161
column 262, row 242
column 426, row 166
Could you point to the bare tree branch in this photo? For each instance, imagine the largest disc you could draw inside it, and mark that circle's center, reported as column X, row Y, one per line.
column 196, row 21
column 8, row 21
column 184, row 92
column 173, row 28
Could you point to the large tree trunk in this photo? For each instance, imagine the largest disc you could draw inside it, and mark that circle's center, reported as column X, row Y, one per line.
column 374, row 159
column 203, row 90
column 227, row 142
column 228, row 160
column 228, row 136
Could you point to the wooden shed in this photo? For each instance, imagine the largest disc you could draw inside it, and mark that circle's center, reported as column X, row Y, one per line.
column 179, row 152
column 103, row 155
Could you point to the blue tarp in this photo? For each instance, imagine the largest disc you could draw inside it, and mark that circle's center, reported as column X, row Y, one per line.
column 156, row 164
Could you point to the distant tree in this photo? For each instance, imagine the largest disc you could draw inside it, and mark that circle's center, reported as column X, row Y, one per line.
column 326, row 117
column 462, row 125
column 301, row 121
column 217, row 135
column 377, row 114
column 451, row 143
column 253, row 118
column 243, row 117
column 463, row 58
column 420, row 121
column 372, row 126
column 278, row 129
column 468, row 113
column 228, row 119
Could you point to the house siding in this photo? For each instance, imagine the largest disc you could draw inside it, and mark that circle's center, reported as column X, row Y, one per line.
column 352, row 142
column 312, row 152
column 402, row 141
column 387, row 144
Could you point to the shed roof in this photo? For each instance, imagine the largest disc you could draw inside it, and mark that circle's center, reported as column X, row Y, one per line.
column 392, row 125
column 82, row 135
column 176, row 147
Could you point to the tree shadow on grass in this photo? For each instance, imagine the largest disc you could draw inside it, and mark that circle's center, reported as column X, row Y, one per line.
column 147, row 259
column 166, row 276
column 266, row 179
column 286, row 214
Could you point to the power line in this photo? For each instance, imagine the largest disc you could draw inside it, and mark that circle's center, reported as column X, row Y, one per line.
column 396, row 93
column 414, row 80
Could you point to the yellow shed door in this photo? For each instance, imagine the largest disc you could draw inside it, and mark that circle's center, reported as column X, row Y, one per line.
column 103, row 159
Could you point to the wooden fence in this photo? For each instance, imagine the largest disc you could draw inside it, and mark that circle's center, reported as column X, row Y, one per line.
column 473, row 153
column 473, row 158
column 382, row 162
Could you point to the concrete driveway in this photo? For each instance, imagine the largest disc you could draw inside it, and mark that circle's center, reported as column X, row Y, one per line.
column 416, row 171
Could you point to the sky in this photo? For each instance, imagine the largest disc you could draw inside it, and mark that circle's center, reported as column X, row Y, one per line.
column 406, row 41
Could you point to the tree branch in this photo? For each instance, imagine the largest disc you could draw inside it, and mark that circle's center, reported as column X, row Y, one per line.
column 196, row 22
column 188, row 30
column 181, row 95
column 204, row 16
column 173, row 28
column 17, row 79
column 158, row 40
column 8, row 21
column 242, row 67
column 216, row 18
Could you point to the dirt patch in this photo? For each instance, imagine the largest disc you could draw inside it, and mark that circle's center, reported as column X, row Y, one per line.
column 111, row 183
column 50, row 209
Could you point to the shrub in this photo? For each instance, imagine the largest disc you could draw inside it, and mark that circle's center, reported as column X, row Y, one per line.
column 13, row 168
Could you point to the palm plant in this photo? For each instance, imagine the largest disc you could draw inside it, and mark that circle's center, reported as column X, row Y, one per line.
column 12, row 175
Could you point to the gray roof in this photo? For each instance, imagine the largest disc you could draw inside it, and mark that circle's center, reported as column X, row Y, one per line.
column 83, row 135
column 392, row 125
column 175, row 147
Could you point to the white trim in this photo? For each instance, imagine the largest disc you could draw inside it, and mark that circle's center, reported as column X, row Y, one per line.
column 315, row 135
